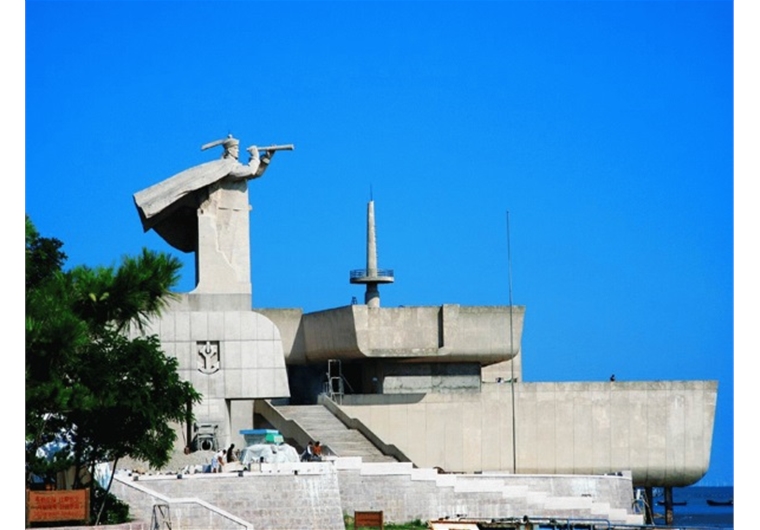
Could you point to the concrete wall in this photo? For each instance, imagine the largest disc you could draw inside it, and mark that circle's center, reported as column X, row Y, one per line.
column 504, row 370
column 227, row 356
column 660, row 431
column 449, row 333
column 272, row 501
column 483, row 331
column 404, row 378
column 308, row 496
column 252, row 347
column 288, row 322
column 331, row 334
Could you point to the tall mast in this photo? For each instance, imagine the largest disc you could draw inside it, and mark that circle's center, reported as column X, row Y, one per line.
column 371, row 276
column 371, row 240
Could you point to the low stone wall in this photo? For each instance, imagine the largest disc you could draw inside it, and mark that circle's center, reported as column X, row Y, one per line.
column 284, row 497
column 405, row 493
column 316, row 495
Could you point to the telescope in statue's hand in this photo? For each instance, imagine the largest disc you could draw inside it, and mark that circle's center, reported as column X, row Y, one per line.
column 284, row 147
column 233, row 142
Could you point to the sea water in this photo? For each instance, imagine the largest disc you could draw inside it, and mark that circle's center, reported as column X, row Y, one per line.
column 696, row 512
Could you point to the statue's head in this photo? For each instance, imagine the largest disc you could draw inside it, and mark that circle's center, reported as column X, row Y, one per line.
column 231, row 147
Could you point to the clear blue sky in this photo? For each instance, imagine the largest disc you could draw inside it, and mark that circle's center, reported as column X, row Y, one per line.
column 605, row 129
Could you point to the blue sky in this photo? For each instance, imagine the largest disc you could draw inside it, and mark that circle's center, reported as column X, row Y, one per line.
column 605, row 129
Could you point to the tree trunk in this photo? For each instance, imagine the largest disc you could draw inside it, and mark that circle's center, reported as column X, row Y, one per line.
column 105, row 495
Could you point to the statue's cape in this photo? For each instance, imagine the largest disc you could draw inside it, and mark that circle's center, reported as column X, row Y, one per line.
column 169, row 206
column 157, row 198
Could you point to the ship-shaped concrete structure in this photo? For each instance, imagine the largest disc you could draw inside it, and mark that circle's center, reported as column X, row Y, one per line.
column 438, row 386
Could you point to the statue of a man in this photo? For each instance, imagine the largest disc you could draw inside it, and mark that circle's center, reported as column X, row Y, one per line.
column 205, row 210
column 256, row 166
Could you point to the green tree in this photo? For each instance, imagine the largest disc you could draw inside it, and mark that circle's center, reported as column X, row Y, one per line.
column 92, row 381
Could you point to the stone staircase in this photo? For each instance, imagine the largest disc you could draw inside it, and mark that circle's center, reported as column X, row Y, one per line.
column 406, row 493
column 337, row 439
column 301, row 495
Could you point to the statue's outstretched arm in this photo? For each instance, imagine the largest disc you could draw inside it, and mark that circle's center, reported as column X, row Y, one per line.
column 258, row 162
column 269, row 152
column 264, row 162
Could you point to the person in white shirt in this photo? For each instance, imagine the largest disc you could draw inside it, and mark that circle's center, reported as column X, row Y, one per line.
column 218, row 461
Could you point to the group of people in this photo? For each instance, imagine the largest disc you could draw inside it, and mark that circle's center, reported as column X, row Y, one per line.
column 312, row 453
column 224, row 456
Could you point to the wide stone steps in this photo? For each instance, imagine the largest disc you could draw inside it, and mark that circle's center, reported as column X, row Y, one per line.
column 433, row 495
column 332, row 433
column 304, row 495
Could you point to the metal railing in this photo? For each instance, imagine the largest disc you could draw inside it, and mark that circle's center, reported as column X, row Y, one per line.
column 161, row 518
column 162, row 514
column 365, row 273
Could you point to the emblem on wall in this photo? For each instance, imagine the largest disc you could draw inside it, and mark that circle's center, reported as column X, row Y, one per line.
column 209, row 359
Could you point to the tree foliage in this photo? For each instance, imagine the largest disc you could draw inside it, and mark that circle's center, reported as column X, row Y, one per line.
column 104, row 392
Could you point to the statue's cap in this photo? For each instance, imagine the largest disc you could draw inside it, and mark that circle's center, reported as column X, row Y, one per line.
column 230, row 141
column 227, row 143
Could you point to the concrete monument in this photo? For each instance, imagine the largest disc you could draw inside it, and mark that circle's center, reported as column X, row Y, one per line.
column 442, row 385
column 231, row 354
column 205, row 210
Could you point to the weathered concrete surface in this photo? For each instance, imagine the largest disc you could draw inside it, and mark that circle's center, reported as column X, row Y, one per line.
column 204, row 209
column 231, row 357
column 660, row 431
column 448, row 333
column 289, row 323
column 308, row 496
column 273, row 500
column 223, row 257
column 405, row 493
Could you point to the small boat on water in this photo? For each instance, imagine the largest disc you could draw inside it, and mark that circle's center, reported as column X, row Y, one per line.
column 727, row 502
column 675, row 503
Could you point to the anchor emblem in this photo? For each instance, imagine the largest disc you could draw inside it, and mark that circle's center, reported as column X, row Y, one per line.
column 209, row 361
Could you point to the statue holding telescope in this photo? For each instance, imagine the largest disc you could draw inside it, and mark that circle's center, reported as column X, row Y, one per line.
column 204, row 209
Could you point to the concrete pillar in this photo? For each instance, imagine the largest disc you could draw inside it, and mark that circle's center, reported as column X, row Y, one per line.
column 371, row 241
column 372, row 294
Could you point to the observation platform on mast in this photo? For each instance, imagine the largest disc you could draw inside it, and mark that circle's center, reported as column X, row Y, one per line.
column 371, row 276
